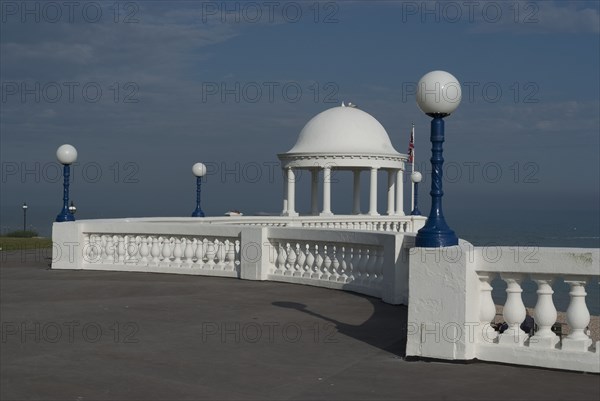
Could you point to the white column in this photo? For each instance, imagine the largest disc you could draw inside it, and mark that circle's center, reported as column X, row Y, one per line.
column 578, row 317
column 326, row 192
column 487, row 309
column 373, row 193
column 285, row 194
column 391, row 188
column 400, row 193
column 544, row 314
column 514, row 311
column 314, row 192
column 356, row 193
column 291, row 191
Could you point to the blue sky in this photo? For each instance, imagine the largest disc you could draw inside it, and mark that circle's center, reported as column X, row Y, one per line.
column 524, row 140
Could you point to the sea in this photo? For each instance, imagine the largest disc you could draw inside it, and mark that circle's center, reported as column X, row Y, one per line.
column 575, row 229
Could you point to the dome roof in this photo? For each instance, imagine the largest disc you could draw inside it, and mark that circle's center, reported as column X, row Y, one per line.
column 344, row 130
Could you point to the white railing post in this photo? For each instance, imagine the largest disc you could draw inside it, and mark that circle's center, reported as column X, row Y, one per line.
column 257, row 256
column 544, row 315
column 514, row 311
column 487, row 309
column 578, row 317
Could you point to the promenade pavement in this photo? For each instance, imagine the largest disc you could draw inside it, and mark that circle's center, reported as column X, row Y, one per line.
column 91, row 335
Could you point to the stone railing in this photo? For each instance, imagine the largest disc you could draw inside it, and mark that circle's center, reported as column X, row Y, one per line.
column 157, row 253
column 398, row 224
column 361, row 262
column 147, row 246
column 354, row 261
column 450, row 315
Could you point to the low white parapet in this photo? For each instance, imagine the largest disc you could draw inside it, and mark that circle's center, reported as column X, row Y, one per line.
column 364, row 262
column 394, row 223
column 451, row 306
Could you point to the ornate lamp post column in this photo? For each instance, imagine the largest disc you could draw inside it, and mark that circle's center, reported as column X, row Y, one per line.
column 199, row 170
column 438, row 95
column 416, row 178
column 66, row 155
column 24, row 216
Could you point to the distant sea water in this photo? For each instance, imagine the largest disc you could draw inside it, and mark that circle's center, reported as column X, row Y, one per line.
column 579, row 229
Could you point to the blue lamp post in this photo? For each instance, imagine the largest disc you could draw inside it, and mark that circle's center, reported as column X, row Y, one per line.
column 67, row 155
column 24, row 216
column 416, row 178
column 438, row 95
column 199, row 170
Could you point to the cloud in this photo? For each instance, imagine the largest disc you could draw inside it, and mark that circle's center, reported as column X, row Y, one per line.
column 540, row 17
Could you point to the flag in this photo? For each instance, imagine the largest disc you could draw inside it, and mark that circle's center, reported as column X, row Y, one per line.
column 411, row 146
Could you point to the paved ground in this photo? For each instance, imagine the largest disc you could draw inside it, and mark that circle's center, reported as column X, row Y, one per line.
column 74, row 335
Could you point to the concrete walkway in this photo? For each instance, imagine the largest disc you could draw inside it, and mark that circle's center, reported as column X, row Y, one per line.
column 82, row 335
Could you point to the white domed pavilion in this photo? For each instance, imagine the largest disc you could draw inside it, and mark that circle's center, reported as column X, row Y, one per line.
column 344, row 138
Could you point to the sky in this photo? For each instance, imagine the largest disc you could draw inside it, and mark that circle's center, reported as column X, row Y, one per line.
column 145, row 89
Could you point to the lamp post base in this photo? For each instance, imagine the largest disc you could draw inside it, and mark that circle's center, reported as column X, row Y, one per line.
column 435, row 238
column 198, row 213
column 65, row 216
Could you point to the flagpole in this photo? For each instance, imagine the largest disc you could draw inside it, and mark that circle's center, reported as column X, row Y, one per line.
column 412, row 197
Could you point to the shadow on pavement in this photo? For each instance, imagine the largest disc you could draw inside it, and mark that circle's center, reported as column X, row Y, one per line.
column 385, row 328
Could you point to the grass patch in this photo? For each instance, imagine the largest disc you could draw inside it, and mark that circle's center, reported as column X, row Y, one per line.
column 16, row 244
column 21, row 234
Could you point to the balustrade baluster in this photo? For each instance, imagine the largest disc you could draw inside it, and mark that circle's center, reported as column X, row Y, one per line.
column 544, row 315
column 177, row 253
column 335, row 264
column 166, row 253
column 199, row 253
column 154, row 252
column 514, row 312
column 487, row 309
column 350, row 264
column 578, row 317
column 121, row 249
column 300, row 260
column 87, row 251
column 309, row 263
column 356, row 260
column 188, row 253
column 326, row 263
column 132, row 250
column 281, row 259
column 221, row 252
column 291, row 260
column 318, row 263
column 211, row 252
column 230, row 255
column 237, row 257
column 343, row 269
column 370, row 270
column 103, row 254
column 110, row 250
column 144, row 252
column 362, row 266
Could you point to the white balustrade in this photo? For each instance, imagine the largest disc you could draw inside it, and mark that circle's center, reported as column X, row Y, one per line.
column 351, row 264
column 168, row 252
column 544, row 347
